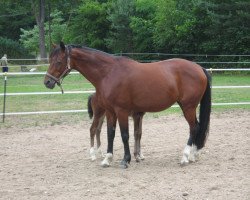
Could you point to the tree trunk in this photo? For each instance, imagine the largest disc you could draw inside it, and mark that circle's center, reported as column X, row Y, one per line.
column 41, row 29
column 40, row 17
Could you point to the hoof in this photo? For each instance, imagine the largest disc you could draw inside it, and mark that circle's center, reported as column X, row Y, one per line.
column 92, row 153
column 107, row 160
column 93, row 158
column 194, row 154
column 191, row 157
column 124, row 164
column 184, row 161
column 105, row 164
column 141, row 156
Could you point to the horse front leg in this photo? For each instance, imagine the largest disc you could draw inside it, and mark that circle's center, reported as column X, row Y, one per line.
column 111, row 125
column 123, row 123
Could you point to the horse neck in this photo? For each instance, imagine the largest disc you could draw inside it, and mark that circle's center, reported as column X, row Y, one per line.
column 94, row 66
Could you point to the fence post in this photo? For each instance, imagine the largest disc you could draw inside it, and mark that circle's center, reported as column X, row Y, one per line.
column 4, row 96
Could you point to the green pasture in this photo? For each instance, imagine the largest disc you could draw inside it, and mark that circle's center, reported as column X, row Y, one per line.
column 34, row 83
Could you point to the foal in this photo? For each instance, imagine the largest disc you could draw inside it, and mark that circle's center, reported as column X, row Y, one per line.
column 96, row 110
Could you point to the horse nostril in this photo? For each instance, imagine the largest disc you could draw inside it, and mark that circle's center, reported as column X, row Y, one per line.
column 47, row 82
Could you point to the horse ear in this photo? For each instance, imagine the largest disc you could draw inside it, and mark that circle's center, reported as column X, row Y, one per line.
column 62, row 46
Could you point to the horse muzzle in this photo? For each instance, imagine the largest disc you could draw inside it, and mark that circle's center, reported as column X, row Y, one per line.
column 50, row 83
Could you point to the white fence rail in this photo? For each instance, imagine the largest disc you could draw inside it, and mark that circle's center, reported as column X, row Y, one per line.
column 84, row 110
column 74, row 72
column 92, row 91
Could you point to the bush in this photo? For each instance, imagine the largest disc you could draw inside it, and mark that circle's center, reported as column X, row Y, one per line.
column 13, row 50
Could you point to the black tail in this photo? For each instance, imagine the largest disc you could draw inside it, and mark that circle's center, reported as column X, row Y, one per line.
column 204, row 118
column 90, row 110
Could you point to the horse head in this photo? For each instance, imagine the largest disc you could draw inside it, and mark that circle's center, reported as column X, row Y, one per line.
column 59, row 66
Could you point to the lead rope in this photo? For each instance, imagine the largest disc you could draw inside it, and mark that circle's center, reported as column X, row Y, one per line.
column 60, row 85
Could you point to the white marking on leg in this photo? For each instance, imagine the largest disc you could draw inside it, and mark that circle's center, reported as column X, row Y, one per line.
column 141, row 156
column 191, row 157
column 196, row 152
column 100, row 153
column 186, row 154
column 92, row 153
column 107, row 160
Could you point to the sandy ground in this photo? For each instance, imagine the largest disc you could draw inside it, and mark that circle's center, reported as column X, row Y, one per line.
column 53, row 162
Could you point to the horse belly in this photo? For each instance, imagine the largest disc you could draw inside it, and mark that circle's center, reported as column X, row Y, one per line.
column 153, row 101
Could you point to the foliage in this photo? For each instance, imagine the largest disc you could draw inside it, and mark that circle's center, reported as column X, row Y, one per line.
column 30, row 38
column 142, row 24
column 89, row 24
column 167, row 26
column 15, row 14
column 13, row 49
column 120, row 35
column 229, row 28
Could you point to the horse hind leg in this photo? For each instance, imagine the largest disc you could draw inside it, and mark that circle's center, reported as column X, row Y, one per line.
column 190, row 152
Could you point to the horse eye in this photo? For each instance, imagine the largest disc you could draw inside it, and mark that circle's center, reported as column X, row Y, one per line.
column 59, row 63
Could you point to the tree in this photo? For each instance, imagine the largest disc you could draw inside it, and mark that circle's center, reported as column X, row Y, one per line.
column 120, row 34
column 15, row 14
column 89, row 25
column 39, row 12
column 142, row 25
column 229, row 29
column 13, row 49
column 30, row 38
column 174, row 26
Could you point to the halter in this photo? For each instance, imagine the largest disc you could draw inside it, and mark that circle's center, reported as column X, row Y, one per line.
column 65, row 73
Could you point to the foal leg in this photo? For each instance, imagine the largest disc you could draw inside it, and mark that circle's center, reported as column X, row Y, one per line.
column 188, row 154
column 98, row 140
column 95, row 130
column 137, row 136
column 140, row 131
column 111, row 125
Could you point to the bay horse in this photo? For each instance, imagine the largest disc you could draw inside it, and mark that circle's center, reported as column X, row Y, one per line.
column 125, row 86
column 98, row 112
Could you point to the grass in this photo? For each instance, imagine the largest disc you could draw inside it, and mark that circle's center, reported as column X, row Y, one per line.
column 34, row 83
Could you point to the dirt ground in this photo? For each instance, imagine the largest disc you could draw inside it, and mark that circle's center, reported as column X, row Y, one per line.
column 53, row 162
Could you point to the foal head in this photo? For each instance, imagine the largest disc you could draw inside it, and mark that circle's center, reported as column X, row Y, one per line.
column 59, row 67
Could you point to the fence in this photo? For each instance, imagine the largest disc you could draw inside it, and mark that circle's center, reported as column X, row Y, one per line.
column 92, row 91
